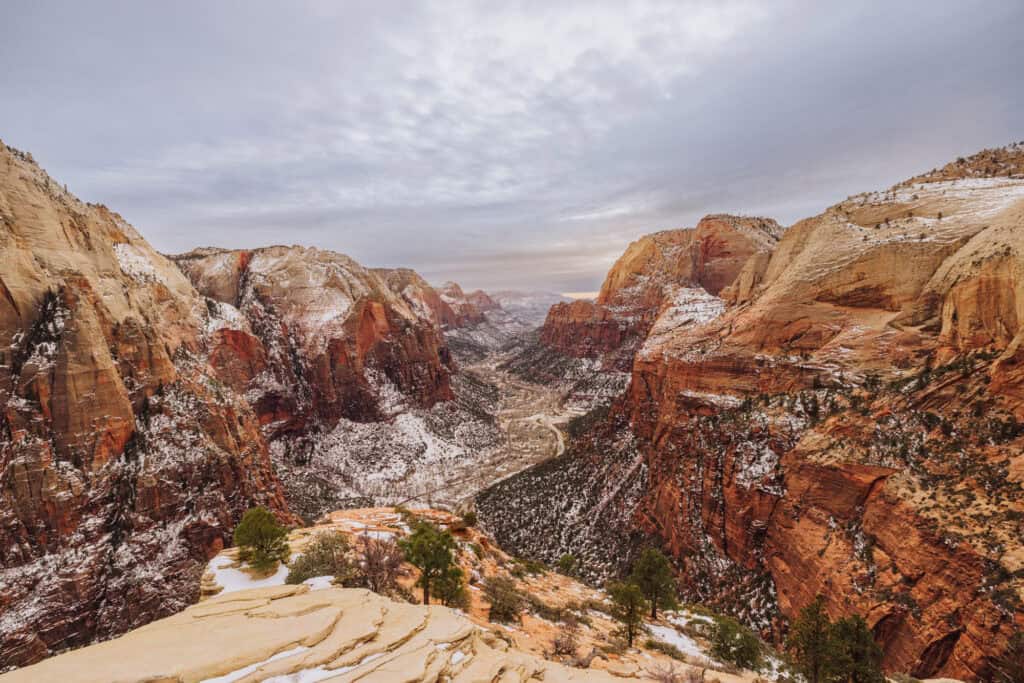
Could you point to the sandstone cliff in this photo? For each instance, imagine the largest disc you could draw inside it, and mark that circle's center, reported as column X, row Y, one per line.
column 654, row 273
column 321, row 337
column 843, row 421
column 122, row 456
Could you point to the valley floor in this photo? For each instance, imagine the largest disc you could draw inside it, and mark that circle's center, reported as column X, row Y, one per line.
column 499, row 425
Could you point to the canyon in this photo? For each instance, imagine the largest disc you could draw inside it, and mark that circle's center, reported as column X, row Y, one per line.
column 832, row 408
column 842, row 419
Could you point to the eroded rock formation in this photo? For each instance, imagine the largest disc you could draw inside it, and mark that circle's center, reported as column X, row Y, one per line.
column 124, row 461
column 843, row 419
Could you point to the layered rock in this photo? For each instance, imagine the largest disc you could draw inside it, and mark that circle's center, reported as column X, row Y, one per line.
column 648, row 277
column 121, row 455
column 843, row 422
column 468, row 309
column 342, row 633
column 321, row 337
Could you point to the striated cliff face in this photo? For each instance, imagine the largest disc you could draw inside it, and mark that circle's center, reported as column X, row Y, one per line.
column 654, row 273
column 319, row 337
column 586, row 348
column 122, row 457
column 843, row 419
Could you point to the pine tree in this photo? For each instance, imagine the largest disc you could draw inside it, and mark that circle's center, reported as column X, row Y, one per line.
column 858, row 658
column 811, row 642
column 261, row 540
column 431, row 551
column 733, row 642
column 652, row 573
column 628, row 607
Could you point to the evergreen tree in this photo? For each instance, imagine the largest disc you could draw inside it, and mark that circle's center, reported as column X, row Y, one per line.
column 450, row 588
column 431, row 551
column 628, row 607
column 811, row 642
column 858, row 658
column 653, row 575
column 261, row 540
column 733, row 642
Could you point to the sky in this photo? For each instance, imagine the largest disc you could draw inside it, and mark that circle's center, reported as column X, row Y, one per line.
column 507, row 144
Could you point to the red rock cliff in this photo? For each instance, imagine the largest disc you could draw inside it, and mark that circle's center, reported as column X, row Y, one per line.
column 123, row 463
column 647, row 277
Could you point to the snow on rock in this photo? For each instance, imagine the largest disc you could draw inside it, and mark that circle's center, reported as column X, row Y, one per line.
column 135, row 264
column 680, row 641
column 231, row 579
column 246, row 670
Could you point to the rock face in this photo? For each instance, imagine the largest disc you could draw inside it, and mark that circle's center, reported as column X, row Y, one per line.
column 648, row 277
column 586, row 348
column 347, row 634
column 122, row 455
column 842, row 420
column 319, row 337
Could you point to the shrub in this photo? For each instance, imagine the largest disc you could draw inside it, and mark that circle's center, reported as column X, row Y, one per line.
column 381, row 563
column 567, row 565
column 261, row 540
column 567, row 640
column 543, row 609
column 505, row 599
column 326, row 555
column 450, row 589
column 733, row 642
column 665, row 648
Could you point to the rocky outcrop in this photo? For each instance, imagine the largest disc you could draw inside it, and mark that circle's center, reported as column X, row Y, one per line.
column 346, row 633
column 122, row 456
column 319, row 337
column 843, row 420
column 468, row 309
column 648, row 277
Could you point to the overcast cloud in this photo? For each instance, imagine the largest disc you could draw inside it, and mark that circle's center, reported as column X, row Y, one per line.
column 502, row 144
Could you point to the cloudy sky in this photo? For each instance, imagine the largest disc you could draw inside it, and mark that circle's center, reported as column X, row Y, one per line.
column 503, row 144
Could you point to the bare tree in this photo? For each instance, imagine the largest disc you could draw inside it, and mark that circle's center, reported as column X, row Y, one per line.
column 567, row 640
column 381, row 561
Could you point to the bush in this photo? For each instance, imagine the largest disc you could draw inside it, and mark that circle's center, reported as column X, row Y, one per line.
column 665, row 648
column 543, row 609
column 505, row 598
column 261, row 540
column 567, row 640
column 326, row 555
column 732, row 642
column 450, row 589
column 567, row 565
column 381, row 563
